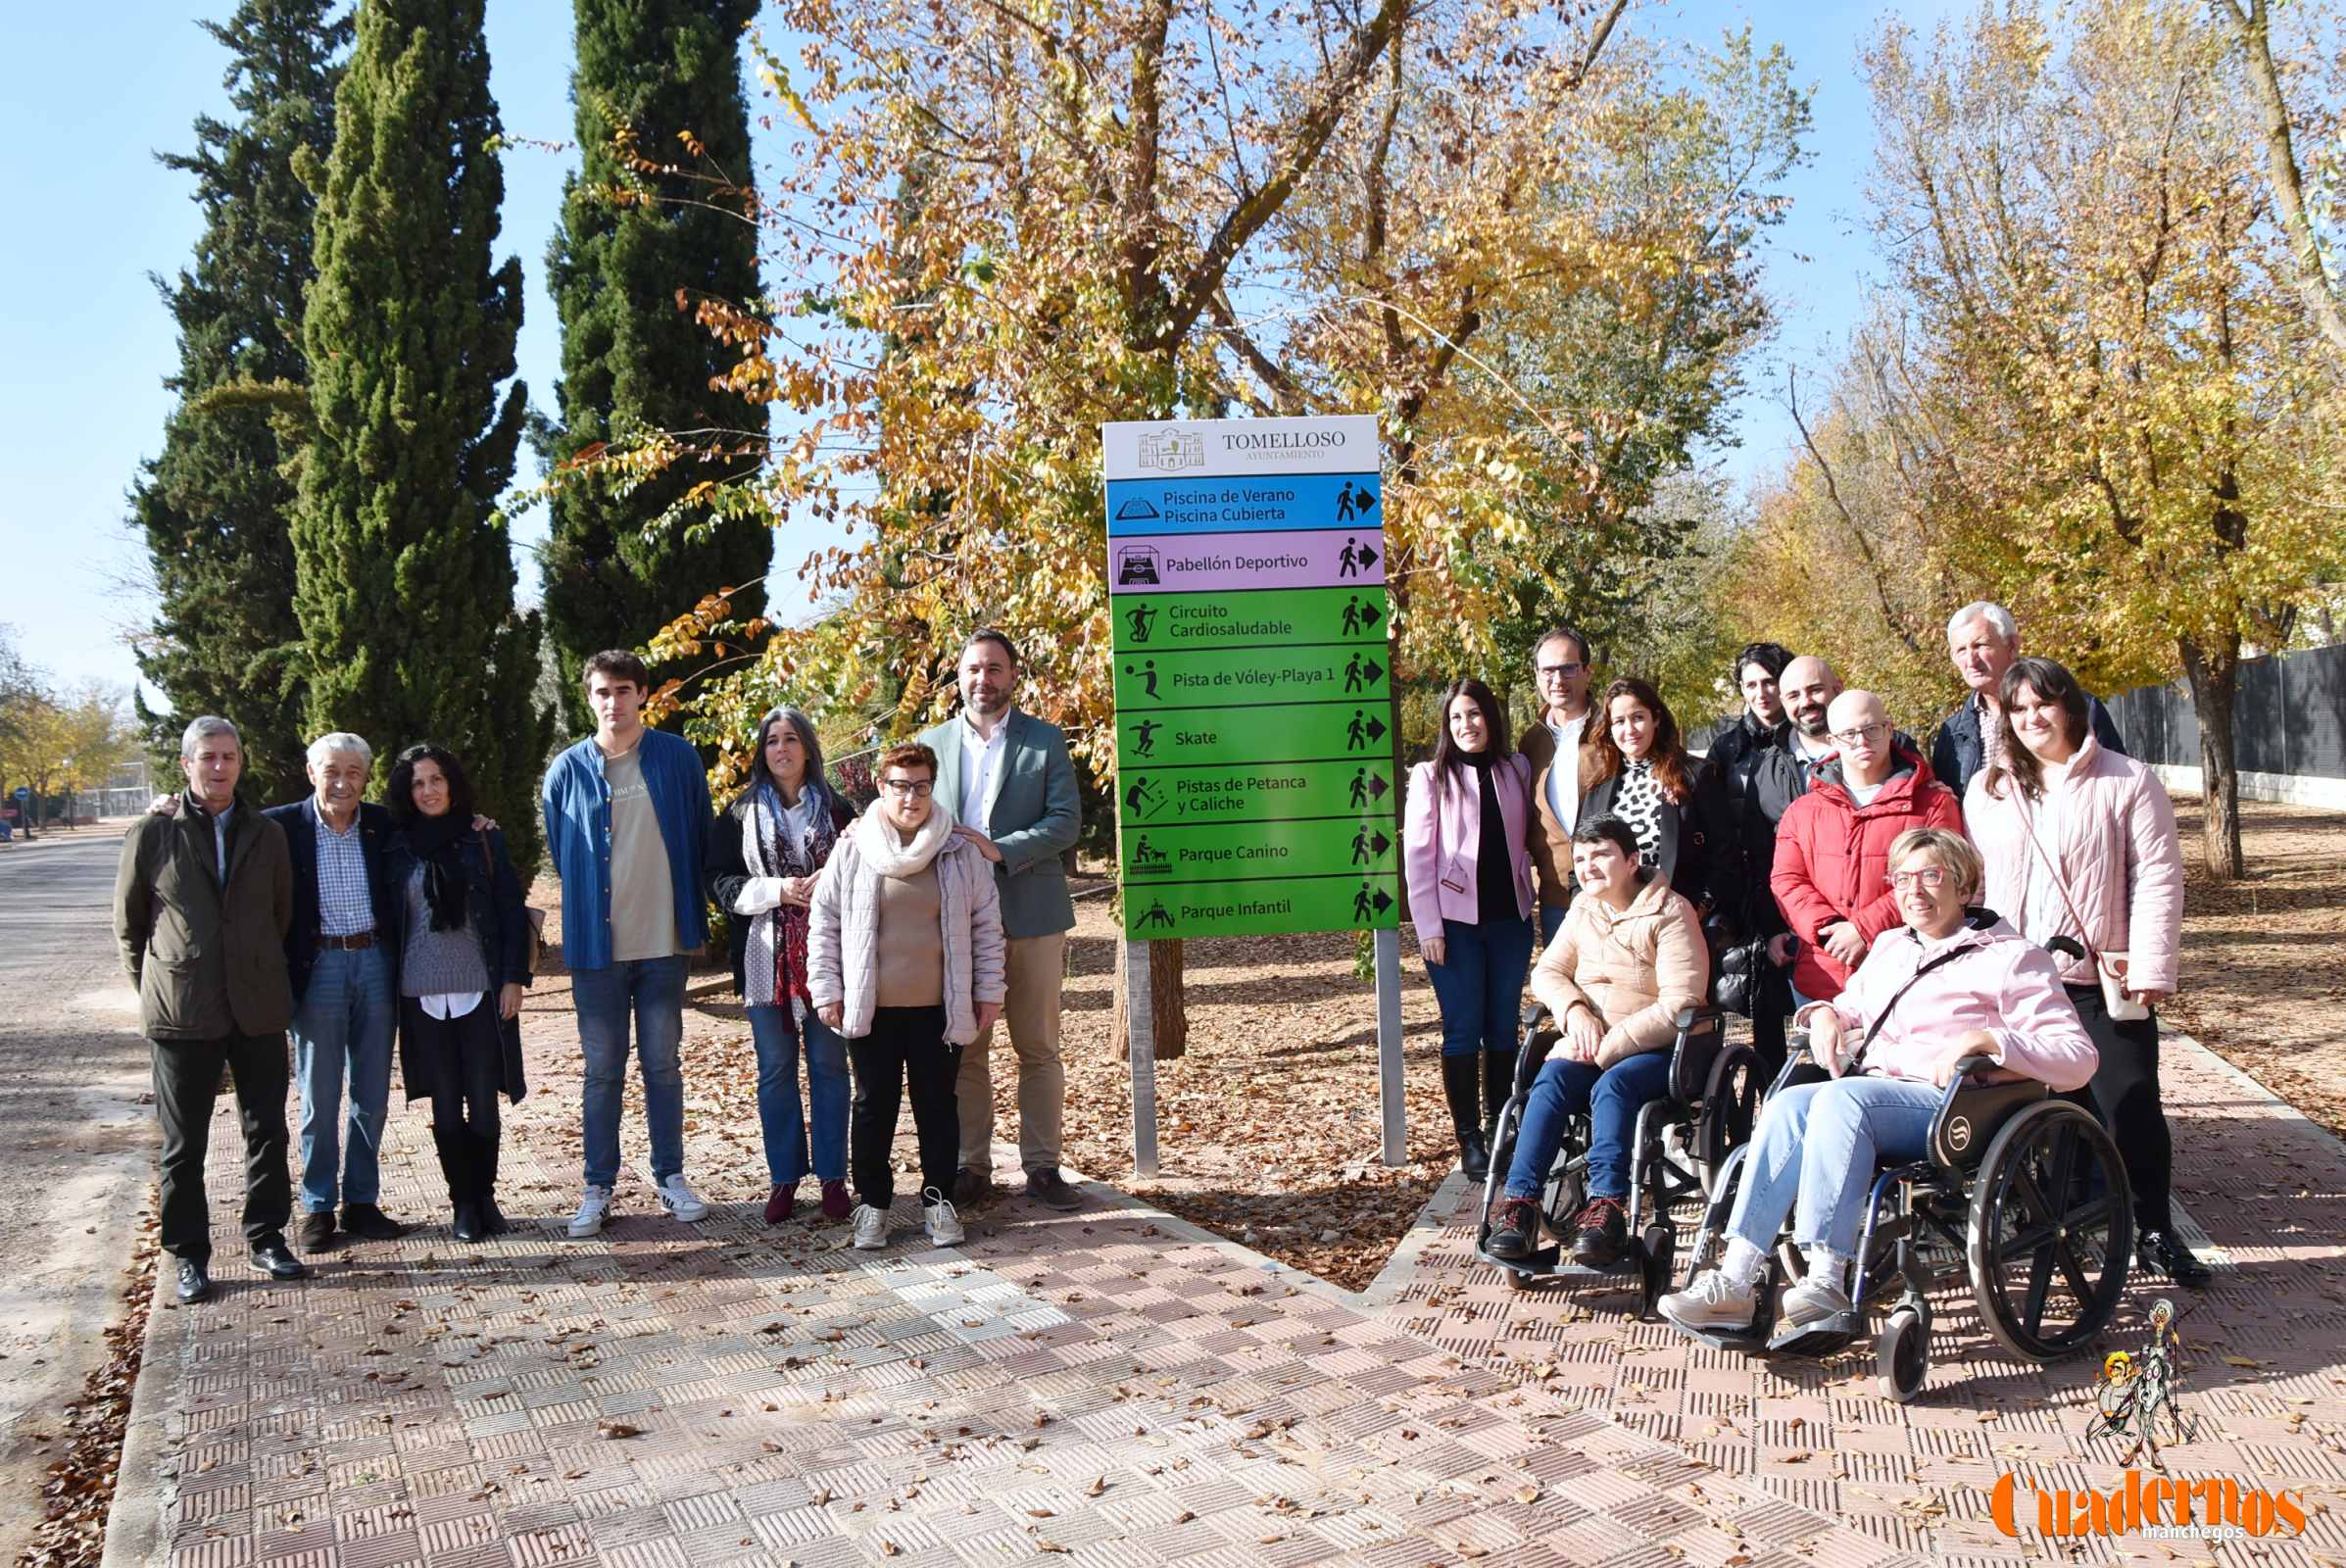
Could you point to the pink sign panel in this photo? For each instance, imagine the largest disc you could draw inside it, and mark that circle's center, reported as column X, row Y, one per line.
column 1229, row 563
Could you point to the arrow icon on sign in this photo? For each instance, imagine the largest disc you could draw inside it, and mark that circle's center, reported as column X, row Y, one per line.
column 1378, row 843
column 1376, row 729
column 1368, row 557
column 1370, row 614
column 1370, row 671
column 1383, row 900
column 1376, row 785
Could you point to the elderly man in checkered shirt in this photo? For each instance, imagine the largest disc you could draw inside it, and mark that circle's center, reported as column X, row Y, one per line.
column 344, row 967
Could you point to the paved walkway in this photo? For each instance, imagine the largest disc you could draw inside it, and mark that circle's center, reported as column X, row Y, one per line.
column 1114, row 1388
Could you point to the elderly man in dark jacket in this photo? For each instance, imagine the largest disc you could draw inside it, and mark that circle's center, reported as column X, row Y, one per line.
column 201, row 906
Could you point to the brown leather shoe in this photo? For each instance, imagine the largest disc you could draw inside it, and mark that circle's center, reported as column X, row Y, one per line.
column 1045, row 1186
column 972, row 1187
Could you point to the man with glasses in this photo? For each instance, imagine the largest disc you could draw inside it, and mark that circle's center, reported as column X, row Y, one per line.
column 1009, row 783
column 1552, row 745
column 1832, row 872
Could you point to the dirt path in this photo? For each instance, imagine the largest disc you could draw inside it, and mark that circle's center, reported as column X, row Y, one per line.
column 2261, row 983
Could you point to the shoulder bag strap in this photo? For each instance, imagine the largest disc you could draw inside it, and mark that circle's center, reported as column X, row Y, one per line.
column 1882, row 1016
column 2029, row 828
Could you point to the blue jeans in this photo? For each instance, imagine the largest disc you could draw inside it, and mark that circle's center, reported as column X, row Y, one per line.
column 1551, row 921
column 344, row 1027
column 651, row 990
column 1817, row 1144
column 1613, row 1096
column 778, row 1113
column 1480, row 984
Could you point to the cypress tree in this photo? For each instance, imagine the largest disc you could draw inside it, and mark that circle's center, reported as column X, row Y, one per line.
column 406, row 586
column 212, row 507
column 632, row 360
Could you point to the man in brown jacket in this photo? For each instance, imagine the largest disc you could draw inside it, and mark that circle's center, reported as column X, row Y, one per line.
column 201, row 906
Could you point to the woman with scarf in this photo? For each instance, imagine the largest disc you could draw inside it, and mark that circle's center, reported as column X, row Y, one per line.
column 763, row 856
column 463, row 960
column 905, row 959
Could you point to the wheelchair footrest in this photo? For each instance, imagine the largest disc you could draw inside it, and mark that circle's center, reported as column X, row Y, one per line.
column 1841, row 1327
column 1748, row 1341
column 1543, row 1261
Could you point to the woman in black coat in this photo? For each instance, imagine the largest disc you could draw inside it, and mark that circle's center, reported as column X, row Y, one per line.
column 463, row 939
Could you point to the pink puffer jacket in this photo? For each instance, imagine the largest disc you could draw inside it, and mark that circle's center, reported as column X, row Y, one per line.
column 2001, row 983
column 2118, row 853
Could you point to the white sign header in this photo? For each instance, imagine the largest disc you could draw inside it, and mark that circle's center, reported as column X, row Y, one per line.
column 1219, row 449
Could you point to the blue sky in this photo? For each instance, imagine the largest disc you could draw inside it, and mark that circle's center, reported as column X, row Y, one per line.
column 87, row 342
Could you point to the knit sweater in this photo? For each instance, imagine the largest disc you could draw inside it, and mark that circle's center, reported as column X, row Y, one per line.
column 437, row 962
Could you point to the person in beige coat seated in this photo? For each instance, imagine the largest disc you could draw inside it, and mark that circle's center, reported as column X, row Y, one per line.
column 1629, row 960
column 905, row 961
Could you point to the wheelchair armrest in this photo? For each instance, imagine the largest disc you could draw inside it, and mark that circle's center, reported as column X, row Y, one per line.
column 1533, row 1010
column 1971, row 1112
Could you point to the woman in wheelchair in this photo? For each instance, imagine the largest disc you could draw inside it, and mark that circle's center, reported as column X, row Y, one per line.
column 1954, row 983
column 1627, row 960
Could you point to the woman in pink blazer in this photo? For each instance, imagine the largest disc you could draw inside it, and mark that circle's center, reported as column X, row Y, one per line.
column 2080, row 843
column 1467, row 865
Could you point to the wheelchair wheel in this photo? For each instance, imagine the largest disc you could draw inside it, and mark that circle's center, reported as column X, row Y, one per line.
column 1903, row 1353
column 2052, row 1231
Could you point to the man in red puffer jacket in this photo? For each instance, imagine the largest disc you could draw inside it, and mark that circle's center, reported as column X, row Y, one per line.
column 1831, row 874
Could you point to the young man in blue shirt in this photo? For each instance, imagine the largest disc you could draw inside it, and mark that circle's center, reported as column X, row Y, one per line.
column 627, row 821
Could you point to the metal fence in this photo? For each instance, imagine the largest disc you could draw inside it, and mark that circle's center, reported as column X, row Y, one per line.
column 2289, row 720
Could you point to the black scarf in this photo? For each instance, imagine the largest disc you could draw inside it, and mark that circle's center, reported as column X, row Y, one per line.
column 439, row 843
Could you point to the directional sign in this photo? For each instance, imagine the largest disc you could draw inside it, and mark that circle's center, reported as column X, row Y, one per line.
column 1147, row 622
column 1254, row 787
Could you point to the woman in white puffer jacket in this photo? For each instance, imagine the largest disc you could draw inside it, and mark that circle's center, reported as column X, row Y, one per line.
column 905, row 961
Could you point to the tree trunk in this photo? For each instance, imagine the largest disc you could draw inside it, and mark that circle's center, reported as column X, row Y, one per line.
column 2252, row 31
column 2215, row 677
column 1166, row 1006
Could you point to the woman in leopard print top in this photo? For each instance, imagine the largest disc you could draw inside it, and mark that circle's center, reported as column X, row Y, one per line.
column 1636, row 768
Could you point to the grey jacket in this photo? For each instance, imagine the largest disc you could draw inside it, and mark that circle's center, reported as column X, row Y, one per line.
column 1032, row 814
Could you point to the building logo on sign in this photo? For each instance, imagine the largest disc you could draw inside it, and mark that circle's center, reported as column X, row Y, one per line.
column 1171, row 450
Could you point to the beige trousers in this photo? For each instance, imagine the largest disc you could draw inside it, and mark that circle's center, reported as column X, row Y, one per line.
column 1035, row 967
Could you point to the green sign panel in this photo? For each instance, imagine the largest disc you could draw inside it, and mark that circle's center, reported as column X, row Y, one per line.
column 1254, row 784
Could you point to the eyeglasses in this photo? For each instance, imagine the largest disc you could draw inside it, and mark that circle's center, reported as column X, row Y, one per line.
column 1929, row 877
column 918, row 788
column 1560, row 671
column 1860, row 734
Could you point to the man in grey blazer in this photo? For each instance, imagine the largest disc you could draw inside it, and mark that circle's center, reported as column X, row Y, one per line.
column 1011, row 784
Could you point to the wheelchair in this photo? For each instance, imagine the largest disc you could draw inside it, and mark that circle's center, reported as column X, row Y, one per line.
column 1707, row 1111
column 2020, row 1193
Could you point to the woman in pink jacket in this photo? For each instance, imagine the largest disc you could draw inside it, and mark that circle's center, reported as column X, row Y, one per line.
column 2080, row 843
column 1979, row 989
column 1467, row 864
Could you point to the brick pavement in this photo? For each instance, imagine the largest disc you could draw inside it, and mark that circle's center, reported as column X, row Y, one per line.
column 1114, row 1388
column 2265, row 1369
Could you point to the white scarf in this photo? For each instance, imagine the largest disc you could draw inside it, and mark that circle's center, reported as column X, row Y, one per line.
column 884, row 850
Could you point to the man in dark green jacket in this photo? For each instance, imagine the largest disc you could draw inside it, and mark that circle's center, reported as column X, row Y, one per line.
column 201, row 907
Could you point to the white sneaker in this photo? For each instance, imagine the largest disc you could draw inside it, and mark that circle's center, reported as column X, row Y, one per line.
column 677, row 1196
column 594, row 1208
column 1710, row 1301
column 871, row 1227
column 1813, row 1301
column 945, row 1225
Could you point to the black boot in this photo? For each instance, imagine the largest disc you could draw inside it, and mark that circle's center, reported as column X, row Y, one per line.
column 1499, row 1081
column 1461, row 1085
column 484, row 1184
column 455, row 1166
